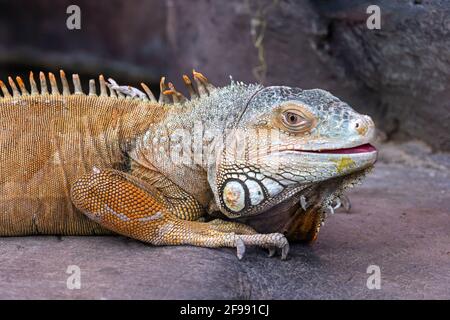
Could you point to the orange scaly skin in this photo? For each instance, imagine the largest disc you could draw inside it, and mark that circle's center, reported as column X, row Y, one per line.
column 142, row 215
column 47, row 142
column 76, row 164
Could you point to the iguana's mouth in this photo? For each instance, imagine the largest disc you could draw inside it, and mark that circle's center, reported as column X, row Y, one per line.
column 364, row 148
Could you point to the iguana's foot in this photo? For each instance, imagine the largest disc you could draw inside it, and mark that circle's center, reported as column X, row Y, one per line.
column 340, row 201
column 271, row 241
column 344, row 201
column 130, row 207
column 247, row 236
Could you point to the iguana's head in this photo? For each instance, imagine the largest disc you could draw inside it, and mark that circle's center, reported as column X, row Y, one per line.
column 261, row 148
column 286, row 141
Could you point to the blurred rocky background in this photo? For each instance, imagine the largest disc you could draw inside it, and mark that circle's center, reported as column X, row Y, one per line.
column 400, row 75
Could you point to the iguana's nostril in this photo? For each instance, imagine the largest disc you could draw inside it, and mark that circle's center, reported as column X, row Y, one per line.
column 361, row 125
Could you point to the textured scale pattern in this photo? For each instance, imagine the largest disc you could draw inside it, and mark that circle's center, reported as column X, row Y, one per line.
column 118, row 202
column 47, row 140
column 112, row 155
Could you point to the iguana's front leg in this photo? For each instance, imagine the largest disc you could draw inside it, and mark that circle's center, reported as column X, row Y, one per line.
column 133, row 208
column 183, row 205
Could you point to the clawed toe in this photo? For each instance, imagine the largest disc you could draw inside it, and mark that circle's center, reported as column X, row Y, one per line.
column 240, row 248
column 284, row 251
column 272, row 252
column 274, row 242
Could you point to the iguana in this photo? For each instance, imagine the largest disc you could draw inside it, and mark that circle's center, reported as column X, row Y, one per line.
column 175, row 170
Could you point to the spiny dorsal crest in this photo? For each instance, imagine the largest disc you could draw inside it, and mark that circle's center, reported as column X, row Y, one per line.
column 107, row 89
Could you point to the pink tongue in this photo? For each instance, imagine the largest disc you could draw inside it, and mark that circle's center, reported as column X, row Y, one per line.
column 359, row 149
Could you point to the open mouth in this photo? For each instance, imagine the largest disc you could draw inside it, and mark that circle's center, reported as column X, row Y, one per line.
column 364, row 148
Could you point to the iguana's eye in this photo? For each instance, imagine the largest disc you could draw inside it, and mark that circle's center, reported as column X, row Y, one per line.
column 296, row 121
column 292, row 119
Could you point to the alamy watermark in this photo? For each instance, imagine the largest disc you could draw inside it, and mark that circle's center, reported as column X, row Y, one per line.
column 73, row 21
column 374, row 280
column 73, row 282
column 373, row 22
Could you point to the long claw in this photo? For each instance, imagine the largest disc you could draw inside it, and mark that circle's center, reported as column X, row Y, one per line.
column 272, row 252
column 284, row 245
column 331, row 209
column 271, row 241
column 346, row 203
column 284, row 251
column 338, row 203
column 240, row 248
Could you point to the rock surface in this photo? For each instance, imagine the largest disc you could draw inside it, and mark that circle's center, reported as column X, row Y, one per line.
column 399, row 222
